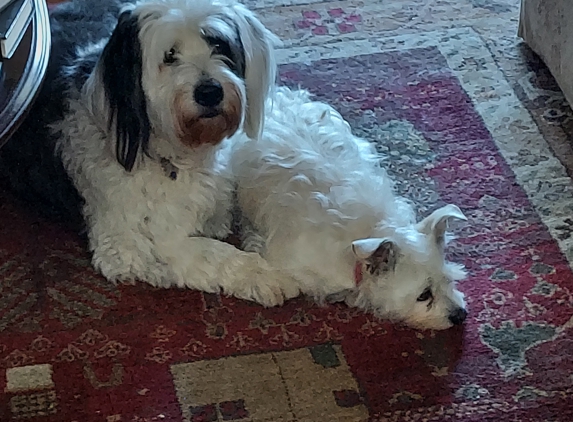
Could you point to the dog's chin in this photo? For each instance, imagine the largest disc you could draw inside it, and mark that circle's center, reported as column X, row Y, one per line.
column 210, row 113
column 211, row 127
column 437, row 324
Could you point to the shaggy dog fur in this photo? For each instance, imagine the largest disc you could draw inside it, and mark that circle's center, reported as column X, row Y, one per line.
column 319, row 205
column 128, row 132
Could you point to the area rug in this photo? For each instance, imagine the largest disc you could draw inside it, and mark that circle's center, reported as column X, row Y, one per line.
column 461, row 123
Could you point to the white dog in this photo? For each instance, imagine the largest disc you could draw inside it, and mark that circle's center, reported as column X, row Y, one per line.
column 129, row 127
column 319, row 205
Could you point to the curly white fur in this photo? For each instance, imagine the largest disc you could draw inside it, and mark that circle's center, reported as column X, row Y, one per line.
column 319, row 204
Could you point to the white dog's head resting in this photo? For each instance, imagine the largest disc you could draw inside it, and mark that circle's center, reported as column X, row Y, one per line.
column 182, row 72
column 406, row 276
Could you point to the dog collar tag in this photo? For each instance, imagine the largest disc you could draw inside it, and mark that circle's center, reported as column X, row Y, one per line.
column 358, row 273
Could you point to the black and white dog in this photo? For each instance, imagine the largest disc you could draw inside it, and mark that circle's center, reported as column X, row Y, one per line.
column 138, row 109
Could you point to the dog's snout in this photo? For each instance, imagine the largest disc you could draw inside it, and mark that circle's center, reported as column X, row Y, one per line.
column 208, row 93
column 458, row 316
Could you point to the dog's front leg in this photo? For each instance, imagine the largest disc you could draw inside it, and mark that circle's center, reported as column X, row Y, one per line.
column 198, row 263
column 213, row 266
column 121, row 252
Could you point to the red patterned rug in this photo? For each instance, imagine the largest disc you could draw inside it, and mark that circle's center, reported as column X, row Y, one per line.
column 76, row 348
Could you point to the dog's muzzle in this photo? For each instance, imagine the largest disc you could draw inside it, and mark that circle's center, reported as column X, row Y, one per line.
column 209, row 93
column 458, row 316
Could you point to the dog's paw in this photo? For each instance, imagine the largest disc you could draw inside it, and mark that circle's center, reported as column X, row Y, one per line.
column 127, row 268
column 341, row 296
column 265, row 285
column 214, row 231
column 254, row 243
column 218, row 226
column 263, row 293
column 112, row 267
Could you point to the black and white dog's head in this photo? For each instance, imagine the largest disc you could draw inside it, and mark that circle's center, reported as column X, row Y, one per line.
column 184, row 72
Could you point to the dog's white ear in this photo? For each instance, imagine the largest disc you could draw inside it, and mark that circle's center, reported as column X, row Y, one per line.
column 437, row 222
column 379, row 254
column 260, row 67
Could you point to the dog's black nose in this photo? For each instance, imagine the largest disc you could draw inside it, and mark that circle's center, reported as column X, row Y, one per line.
column 208, row 93
column 458, row 316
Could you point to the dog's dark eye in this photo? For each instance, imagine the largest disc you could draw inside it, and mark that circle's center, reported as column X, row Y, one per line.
column 170, row 56
column 219, row 47
column 426, row 295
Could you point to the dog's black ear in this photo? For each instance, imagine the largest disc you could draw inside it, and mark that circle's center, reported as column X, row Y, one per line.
column 121, row 66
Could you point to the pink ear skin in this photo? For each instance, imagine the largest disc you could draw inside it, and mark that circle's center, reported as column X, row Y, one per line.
column 378, row 254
